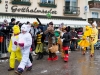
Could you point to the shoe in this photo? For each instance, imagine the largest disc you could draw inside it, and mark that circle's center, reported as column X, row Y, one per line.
column 34, row 53
column 41, row 55
column 91, row 55
column 10, row 69
column 38, row 58
column 83, row 52
column 49, row 59
column 19, row 71
column 66, row 58
column 29, row 68
column 55, row 58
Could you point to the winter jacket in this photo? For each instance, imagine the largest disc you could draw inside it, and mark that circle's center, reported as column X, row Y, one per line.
column 66, row 39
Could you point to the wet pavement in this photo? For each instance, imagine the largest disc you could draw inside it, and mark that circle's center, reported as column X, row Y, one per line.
column 78, row 65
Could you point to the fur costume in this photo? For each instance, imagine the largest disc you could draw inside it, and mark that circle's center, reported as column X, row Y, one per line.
column 13, row 48
column 51, row 42
column 25, row 42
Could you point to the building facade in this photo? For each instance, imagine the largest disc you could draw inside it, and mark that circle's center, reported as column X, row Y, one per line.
column 70, row 12
column 94, row 12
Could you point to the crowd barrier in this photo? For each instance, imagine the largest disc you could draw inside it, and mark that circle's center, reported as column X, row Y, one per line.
column 4, row 41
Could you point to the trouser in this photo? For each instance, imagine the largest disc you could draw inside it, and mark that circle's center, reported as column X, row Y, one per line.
column 25, row 59
column 92, row 49
column 31, row 58
column 52, row 55
column 14, row 55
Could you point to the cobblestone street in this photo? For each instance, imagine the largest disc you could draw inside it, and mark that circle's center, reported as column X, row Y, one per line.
column 77, row 65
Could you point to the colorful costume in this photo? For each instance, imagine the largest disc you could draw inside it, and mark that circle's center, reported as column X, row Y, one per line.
column 39, row 47
column 58, row 39
column 93, row 37
column 14, row 49
column 25, row 42
column 84, row 42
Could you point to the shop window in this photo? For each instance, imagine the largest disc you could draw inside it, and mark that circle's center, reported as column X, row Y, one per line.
column 47, row 3
column 21, row 2
column 95, row 14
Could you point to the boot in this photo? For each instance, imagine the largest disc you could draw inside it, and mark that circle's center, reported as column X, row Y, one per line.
column 49, row 59
column 19, row 71
column 41, row 55
column 55, row 58
column 10, row 69
column 66, row 58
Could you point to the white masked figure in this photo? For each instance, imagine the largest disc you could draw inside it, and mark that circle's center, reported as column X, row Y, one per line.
column 25, row 42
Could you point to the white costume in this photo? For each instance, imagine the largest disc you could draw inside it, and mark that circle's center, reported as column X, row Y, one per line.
column 26, row 39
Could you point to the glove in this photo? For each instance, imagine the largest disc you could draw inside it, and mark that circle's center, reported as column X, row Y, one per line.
column 15, row 43
column 21, row 44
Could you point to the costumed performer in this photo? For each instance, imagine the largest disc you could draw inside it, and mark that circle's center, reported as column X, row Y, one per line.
column 66, row 44
column 13, row 48
column 40, row 39
column 84, row 42
column 62, row 29
column 25, row 42
column 93, row 38
column 51, row 41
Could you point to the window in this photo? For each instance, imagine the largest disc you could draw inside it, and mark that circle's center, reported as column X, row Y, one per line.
column 21, row 2
column 48, row 1
column 71, row 3
column 25, row 0
column 95, row 14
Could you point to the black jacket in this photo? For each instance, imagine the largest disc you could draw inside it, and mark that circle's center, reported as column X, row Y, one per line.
column 66, row 39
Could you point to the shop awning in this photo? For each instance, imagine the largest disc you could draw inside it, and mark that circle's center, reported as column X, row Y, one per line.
column 72, row 23
column 66, row 22
column 21, row 19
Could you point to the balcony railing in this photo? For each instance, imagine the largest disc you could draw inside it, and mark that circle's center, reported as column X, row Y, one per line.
column 94, row 4
column 47, row 5
column 19, row 2
column 71, row 10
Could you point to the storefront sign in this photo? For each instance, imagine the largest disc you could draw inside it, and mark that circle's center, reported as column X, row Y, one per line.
column 6, row 6
column 35, row 10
